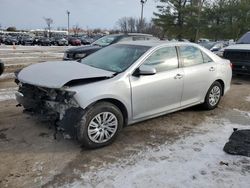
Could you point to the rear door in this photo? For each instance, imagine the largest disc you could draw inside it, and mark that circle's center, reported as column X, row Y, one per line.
column 155, row 94
column 199, row 73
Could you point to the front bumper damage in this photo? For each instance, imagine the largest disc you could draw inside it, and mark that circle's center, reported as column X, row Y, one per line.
column 53, row 105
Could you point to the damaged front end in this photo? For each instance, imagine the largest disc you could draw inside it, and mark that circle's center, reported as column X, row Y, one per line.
column 54, row 105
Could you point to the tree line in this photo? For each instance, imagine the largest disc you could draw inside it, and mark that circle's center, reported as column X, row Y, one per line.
column 194, row 19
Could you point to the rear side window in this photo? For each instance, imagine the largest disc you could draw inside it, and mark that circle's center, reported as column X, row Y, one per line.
column 190, row 56
column 163, row 59
column 206, row 58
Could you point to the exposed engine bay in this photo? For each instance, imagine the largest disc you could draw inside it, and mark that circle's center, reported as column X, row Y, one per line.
column 54, row 105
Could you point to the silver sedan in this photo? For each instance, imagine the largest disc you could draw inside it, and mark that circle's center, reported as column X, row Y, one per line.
column 122, row 84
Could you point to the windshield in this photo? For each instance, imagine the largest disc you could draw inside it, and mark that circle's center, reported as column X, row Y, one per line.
column 115, row 58
column 105, row 41
column 245, row 39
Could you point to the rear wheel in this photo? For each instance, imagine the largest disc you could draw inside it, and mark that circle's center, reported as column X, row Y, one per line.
column 213, row 96
column 100, row 125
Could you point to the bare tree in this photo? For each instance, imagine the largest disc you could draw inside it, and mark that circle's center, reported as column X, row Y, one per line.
column 48, row 21
column 76, row 29
column 131, row 24
column 141, row 25
column 123, row 24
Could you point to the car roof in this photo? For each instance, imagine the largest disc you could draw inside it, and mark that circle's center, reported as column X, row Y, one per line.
column 131, row 34
column 154, row 43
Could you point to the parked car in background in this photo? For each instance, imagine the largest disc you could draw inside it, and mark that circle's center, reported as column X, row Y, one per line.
column 86, row 40
column 239, row 55
column 1, row 67
column 1, row 39
column 11, row 40
column 74, row 41
column 62, row 42
column 214, row 46
column 59, row 41
column 26, row 40
column 44, row 41
column 36, row 40
column 84, row 51
column 124, row 83
column 201, row 40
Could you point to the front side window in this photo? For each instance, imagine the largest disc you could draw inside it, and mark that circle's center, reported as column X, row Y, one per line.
column 190, row 56
column 163, row 59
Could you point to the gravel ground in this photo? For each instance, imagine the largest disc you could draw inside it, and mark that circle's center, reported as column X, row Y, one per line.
column 140, row 157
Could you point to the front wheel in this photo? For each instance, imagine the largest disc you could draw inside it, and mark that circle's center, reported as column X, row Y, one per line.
column 213, row 96
column 100, row 125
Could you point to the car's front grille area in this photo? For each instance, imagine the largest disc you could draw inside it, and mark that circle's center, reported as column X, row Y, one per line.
column 243, row 56
column 34, row 92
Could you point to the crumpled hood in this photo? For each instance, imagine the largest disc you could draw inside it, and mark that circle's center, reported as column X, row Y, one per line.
column 57, row 74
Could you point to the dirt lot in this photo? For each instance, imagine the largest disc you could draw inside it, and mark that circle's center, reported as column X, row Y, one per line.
column 31, row 157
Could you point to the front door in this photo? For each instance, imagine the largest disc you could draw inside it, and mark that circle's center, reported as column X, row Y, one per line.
column 158, row 93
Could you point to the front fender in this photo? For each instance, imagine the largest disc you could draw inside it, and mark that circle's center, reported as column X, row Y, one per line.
column 107, row 89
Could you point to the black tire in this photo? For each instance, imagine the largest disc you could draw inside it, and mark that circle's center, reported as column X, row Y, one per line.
column 207, row 103
column 89, row 115
column 1, row 68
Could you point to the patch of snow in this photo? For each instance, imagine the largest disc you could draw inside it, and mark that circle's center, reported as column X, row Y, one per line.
column 7, row 76
column 244, row 113
column 33, row 57
column 7, row 94
column 16, row 64
column 13, row 58
column 194, row 161
column 248, row 98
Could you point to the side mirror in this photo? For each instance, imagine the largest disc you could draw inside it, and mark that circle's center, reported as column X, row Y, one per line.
column 145, row 70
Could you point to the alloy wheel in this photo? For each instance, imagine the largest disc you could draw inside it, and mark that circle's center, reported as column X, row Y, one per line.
column 102, row 127
column 214, row 95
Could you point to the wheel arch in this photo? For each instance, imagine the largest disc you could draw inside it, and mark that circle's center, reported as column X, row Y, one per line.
column 119, row 105
column 222, row 85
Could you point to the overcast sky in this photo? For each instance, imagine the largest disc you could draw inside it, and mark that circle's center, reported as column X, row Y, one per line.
column 28, row 14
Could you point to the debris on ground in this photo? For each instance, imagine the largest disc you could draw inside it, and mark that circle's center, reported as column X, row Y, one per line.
column 239, row 143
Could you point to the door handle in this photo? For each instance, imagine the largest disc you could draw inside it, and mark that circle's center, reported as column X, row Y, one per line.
column 178, row 76
column 211, row 69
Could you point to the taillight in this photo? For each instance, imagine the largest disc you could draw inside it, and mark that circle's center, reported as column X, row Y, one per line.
column 231, row 65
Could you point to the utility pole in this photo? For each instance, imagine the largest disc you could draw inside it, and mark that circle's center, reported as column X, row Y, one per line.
column 68, row 13
column 142, row 6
